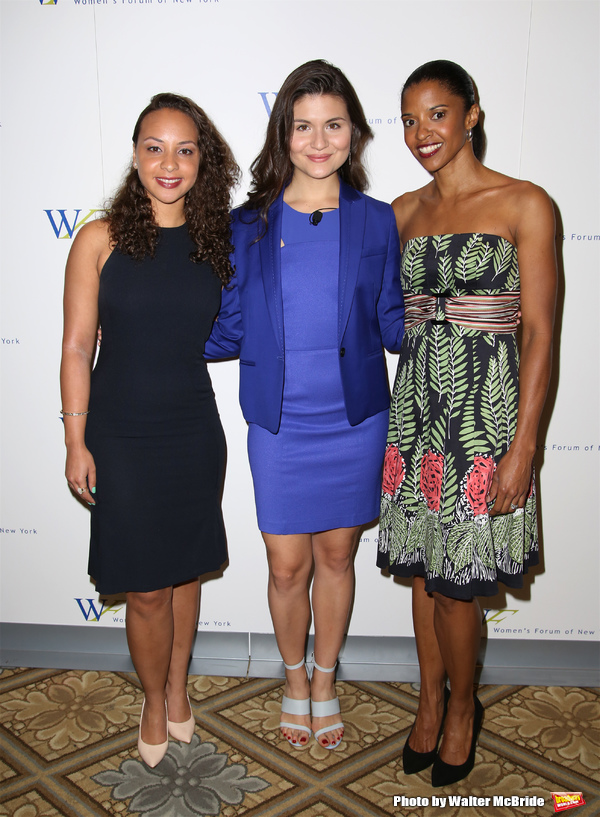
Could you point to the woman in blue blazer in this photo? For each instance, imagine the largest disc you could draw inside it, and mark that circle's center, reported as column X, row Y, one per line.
column 315, row 297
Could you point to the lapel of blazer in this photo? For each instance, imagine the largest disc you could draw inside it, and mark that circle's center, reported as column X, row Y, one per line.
column 352, row 229
column 270, row 263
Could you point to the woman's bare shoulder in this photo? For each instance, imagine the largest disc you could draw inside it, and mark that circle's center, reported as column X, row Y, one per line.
column 518, row 191
column 94, row 232
column 91, row 246
column 406, row 205
column 527, row 204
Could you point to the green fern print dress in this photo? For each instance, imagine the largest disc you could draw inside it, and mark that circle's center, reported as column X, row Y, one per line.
column 452, row 418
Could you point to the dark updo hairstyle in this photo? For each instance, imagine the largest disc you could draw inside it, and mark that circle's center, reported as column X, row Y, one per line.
column 456, row 80
column 130, row 217
column 272, row 169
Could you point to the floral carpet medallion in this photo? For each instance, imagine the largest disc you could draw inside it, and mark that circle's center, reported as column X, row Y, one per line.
column 563, row 723
column 190, row 781
column 68, row 749
column 70, row 710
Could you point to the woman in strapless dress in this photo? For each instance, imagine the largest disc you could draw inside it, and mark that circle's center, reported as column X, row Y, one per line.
column 458, row 508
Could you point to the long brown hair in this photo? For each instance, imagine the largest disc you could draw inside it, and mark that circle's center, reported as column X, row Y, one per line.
column 130, row 217
column 272, row 169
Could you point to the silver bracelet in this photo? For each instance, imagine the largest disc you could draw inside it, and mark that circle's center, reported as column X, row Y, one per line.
column 74, row 413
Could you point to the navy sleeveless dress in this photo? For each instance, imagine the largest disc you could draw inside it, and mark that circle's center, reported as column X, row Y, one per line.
column 153, row 427
column 318, row 472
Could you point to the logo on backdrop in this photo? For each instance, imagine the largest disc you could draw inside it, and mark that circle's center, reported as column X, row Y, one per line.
column 568, row 447
column 92, row 613
column 497, row 623
column 48, row 2
column 65, row 225
column 578, row 236
column 23, row 531
column 268, row 97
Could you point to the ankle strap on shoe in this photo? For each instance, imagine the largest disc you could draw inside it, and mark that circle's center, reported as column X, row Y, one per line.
column 294, row 666
column 326, row 669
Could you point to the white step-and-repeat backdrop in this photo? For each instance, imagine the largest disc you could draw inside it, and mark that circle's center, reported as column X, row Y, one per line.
column 76, row 73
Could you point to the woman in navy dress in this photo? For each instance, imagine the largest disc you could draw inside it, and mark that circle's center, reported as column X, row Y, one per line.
column 145, row 447
column 315, row 297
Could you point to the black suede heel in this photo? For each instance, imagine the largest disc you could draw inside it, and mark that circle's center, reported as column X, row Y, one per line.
column 414, row 762
column 445, row 774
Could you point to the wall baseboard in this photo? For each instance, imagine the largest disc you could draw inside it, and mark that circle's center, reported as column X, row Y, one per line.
column 255, row 655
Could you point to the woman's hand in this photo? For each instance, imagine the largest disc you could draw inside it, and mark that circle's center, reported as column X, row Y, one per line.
column 80, row 472
column 511, row 483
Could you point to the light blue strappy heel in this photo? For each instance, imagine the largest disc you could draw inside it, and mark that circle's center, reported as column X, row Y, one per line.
column 323, row 709
column 295, row 706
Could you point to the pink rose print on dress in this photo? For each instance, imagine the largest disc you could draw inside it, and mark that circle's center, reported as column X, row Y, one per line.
column 478, row 481
column 394, row 470
column 432, row 471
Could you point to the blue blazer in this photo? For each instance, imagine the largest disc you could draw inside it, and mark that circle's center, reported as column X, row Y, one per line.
column 370, row 309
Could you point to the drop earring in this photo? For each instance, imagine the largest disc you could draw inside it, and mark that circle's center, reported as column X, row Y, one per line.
column 470, row 135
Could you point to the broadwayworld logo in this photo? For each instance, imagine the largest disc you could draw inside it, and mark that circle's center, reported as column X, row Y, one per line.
column 564, row 800
column 63, row 225
column 91, row 613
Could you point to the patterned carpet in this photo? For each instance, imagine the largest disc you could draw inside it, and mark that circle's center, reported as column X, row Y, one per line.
column 68, row 748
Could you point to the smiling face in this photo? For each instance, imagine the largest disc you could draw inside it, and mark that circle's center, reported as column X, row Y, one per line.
column 321, row 136
column 168, row 159
column 436, row 125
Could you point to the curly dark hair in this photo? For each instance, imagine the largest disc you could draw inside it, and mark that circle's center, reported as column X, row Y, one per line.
column 131, row 224
column 272, row 169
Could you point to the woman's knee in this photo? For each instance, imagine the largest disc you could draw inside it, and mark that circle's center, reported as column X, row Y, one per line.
column 448, row 605
column 286, row 576
column 148, row 604
column 338, row 562
column 335, row 556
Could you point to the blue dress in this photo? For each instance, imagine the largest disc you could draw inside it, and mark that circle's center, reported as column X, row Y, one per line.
column 318, row 472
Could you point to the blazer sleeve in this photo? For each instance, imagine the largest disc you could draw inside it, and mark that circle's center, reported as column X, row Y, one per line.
column 390, row 306
column 227, row 333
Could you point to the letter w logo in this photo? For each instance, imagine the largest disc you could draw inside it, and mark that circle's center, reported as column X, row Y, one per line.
column 263, row 95
column 496, row 617
column 64, row 222
column 91, row 609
